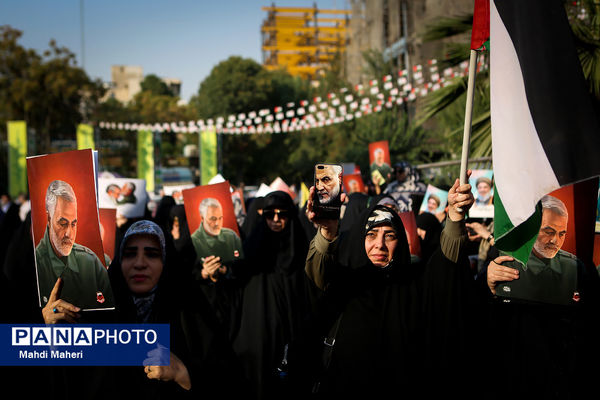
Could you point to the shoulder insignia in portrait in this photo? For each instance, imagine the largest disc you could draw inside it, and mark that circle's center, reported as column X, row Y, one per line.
column 99, row 297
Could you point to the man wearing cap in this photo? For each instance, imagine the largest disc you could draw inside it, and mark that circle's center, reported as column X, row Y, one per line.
column 85, row 282
column 215, row 245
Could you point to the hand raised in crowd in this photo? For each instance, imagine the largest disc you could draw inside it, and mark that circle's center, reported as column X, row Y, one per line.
column 57, row 310
column 328, row 227
column 176, row 371
column 211, row 267
column 499, row 273
column 480, row 231
column 460, row 199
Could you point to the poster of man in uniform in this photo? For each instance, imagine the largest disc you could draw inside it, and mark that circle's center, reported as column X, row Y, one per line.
column 213, row 227
column 380, row 162
column 482, row 187
column 66, row 230
column 353, row 183
column 127, row 195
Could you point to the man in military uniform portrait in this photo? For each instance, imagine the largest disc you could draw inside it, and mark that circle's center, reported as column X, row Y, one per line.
column 551, row 274
column 215, row 245
column 380, row 165
column 85, row 281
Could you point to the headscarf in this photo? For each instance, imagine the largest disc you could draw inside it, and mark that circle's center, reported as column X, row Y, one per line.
column 357, row 204
column 145, row 227
column 284, row 251
column 433, row 228
column 163, row 209
column 142, row 306
column 253, row 218
column 352, row 245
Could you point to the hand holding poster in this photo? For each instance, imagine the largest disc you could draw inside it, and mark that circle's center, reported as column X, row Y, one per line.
column 66, row 230
column 213, row 224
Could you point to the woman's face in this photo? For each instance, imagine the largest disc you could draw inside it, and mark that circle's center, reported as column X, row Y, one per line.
column 380, row 244
column 276, row 219
column 142, row 263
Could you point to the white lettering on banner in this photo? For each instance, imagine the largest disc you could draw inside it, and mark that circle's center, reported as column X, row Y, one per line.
column 78, row 336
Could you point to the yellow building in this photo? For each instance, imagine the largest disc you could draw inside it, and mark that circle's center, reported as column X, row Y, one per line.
column 301, row 40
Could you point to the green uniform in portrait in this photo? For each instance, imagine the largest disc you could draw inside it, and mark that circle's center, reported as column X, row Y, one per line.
column 553, row 280
column 384, row 169
column 85, row 279
column 226, row 245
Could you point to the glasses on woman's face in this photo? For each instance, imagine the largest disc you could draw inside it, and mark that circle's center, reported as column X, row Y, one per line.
column 270, row 214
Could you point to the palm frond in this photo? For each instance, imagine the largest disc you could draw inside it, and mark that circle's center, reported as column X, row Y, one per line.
column 446, row 27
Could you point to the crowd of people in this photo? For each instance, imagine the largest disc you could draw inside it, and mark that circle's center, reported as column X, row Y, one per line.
column 305, row 306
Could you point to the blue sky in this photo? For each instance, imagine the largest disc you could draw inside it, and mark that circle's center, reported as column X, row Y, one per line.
column 181, row 39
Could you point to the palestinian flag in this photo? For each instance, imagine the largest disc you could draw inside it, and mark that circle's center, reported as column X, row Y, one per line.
column 545, row 130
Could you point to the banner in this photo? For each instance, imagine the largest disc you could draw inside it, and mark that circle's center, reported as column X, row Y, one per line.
column 145, row 158
column 81, row 344
column 17, row 152
column 208, row 155
column 85, row 137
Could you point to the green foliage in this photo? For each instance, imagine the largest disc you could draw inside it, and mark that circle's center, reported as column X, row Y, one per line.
column 155, row 85
column 586, row 29
column 239, row 85
column 48, row 91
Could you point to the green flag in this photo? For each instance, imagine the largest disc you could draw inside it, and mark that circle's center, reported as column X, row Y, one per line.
column 208, row 155
column 17, row 153
column 145, row 158
column 85, row 137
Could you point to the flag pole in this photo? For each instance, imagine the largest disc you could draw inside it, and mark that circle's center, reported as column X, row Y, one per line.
column 464, row 160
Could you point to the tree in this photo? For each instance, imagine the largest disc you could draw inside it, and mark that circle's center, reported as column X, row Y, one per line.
column 239, row 85
column 48, row 91
column 155, row 85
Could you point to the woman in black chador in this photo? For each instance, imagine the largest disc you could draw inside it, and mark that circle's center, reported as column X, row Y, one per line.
column 272, row 296
column 389, row 326
column 148, row 289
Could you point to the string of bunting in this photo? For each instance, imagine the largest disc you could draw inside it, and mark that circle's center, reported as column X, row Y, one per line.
column 336, row 108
